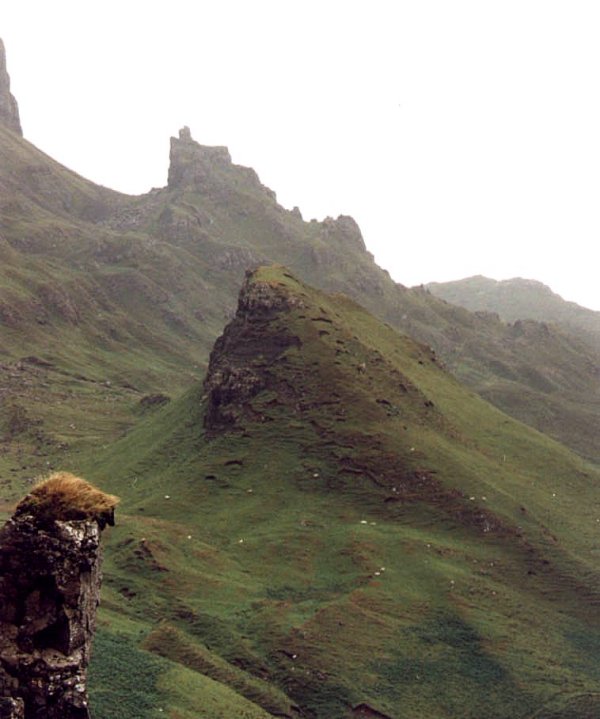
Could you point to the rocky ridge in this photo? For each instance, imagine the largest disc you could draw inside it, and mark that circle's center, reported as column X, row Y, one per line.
column 153, row 278
column 9, row 109
column 191, row 163
column 520, row 299
column 202, row 167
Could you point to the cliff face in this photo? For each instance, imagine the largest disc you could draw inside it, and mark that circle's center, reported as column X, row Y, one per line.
column 9, row 110
column 191, row 163
column 232, row 378
column 49, row 587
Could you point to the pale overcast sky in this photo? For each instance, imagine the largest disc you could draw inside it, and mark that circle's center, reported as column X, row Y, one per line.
column 463, row 136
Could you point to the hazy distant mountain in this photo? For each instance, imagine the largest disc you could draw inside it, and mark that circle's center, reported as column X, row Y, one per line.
column 520, row 299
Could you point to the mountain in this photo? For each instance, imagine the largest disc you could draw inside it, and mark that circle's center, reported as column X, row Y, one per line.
column 112, row 297
column 520, row 299
column 332, row 526
column 108, row 299
column 317, row 519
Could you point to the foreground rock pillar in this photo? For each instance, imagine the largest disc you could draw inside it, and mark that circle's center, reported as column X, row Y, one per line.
column 49, row 589
column 11, row 708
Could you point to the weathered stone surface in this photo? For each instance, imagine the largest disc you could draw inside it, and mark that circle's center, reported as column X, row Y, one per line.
column 192, row 163
column 49, row 588
column 233, row 379
column 11, row 708
column 9, row 110
column 344, row 231
column 209, row 170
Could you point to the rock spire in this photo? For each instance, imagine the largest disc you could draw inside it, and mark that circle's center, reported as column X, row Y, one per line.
column 9, row 110
column 49, row 588
column 192, row 163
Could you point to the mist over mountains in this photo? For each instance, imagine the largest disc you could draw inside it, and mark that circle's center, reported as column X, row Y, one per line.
column 323, row 515
column 113, row 267
column 521, row 299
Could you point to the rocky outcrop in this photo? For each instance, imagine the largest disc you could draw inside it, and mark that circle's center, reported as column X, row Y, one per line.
column 210, row 170
column 49, row 589
column 11, row 708
column 344, row 231
column 9, row 110
column 233, row 379
column 192, row 163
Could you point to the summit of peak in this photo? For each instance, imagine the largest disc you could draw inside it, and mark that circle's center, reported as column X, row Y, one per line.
column 9, row 109
column 191, row 162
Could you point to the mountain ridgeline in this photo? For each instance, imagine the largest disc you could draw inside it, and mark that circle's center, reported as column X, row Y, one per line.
column 519, row 299
column 134, row 291
column 319, row 521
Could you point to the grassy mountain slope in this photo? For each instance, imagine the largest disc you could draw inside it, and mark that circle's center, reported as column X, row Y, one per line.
column 122, row 297
column 519, row 299
column 333, row 526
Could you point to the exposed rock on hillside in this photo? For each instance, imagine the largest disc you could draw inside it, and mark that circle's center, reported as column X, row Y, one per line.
column 191, row 163
column 153, row 278
column 199, row 166
column 345, row 232
column 49, row 588
column 11, row 708
column 250, row 358
column 370, row 539
column 9, row 110
column 231, row 382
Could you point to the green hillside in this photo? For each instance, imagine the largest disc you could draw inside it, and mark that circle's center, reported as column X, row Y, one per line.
column 331, row 523
column 319, row 521
column 122, row 297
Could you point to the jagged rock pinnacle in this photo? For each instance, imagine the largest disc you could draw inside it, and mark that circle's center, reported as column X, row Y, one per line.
column 345, row 231
column 50, row 579
column 185, row 133
column 9, row 110
column 192, row 163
